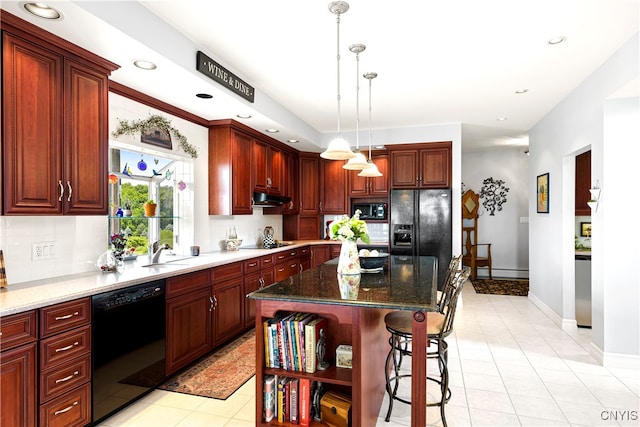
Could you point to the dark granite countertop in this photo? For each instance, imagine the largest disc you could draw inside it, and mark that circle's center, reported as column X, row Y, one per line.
column 407, row 283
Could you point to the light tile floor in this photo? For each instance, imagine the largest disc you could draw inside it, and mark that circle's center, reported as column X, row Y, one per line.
column 510, row 365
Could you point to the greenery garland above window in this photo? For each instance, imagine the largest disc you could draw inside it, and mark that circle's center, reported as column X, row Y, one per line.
column 154, row 121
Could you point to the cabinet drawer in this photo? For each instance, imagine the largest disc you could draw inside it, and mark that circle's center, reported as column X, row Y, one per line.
column 64, row 347
column 69, row 410
column 287, row 269
column 64, row 316
column 186, row 283
column 227, row 271
column 65, row 377
column 267, row 261
column 285, row 255
column 252, row 265
column 18, row 329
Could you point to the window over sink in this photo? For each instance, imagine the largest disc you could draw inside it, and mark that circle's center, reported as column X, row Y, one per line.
column 137, row 175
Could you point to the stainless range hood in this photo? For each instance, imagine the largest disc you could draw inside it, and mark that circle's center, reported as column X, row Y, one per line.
column 264, row 199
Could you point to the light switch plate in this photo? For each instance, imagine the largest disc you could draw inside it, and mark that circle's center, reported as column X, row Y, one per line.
column 43, row 250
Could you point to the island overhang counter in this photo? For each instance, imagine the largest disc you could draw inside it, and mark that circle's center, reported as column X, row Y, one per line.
column 354, row 307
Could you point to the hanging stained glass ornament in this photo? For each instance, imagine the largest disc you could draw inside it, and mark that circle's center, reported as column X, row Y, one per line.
column 142, row 165
column 182, row 185
column 126, row 170
column 156, row 161
column 156, row 173
column 168, row 175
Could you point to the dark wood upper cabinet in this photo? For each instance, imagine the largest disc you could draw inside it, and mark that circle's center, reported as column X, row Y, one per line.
column 55, row 124
column 361, row 186
column 268, row 168
column 583, row 183
column 230, row 189
column 309, row 165
column 421, row 165
column 334, row 188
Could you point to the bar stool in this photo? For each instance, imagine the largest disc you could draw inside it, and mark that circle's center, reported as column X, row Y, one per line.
column 439, row 326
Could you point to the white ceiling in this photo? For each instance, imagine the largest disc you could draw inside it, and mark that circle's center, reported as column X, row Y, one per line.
column 438, row 62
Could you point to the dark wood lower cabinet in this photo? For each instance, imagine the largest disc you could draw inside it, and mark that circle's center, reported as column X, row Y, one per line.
column 228, row 310
column 69, row 410
column 188, row 328
column 18, row 386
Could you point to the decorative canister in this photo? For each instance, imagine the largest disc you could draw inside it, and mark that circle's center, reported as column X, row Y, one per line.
column 267, row 238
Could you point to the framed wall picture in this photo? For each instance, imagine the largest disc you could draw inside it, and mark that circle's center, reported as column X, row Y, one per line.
column 543, row 193
column 3, row 274
column 585, row 229
column 157, row 136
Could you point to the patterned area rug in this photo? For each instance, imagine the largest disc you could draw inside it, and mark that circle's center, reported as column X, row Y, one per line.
column 221, row 374
column 518, row 287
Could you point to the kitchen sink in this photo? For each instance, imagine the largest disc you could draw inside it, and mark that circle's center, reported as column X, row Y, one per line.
column 163, row 264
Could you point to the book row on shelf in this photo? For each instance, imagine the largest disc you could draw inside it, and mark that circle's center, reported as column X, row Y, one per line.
column 302, row 400
column 295, row 342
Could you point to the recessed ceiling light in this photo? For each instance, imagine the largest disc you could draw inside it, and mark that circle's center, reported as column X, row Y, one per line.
column 204, row 95
column 42, row 10
column 522, row 90
column 501, row 119
column 272, row 130
column 243, row 116
column 145, row 65
column 556, row 40
column 292, row 141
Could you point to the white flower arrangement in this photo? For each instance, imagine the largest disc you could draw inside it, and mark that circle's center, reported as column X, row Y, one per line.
column 350, row 228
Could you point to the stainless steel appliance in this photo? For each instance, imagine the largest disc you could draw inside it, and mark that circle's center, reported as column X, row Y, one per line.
column 420, row 224
column 128, row 343
column 583, row 291
column 369, row 211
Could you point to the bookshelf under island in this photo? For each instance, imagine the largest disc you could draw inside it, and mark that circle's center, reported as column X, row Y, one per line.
column 354, row 310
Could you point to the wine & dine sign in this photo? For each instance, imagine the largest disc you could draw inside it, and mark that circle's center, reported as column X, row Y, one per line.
column 226, row 78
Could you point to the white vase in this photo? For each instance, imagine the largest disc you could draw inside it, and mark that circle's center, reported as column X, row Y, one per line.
column 349, row 262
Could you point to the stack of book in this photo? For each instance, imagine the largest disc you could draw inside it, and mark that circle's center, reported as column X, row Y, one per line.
column 292, row 400
column 290, row 341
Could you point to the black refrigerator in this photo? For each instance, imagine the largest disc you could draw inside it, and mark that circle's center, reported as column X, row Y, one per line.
column 420, row 224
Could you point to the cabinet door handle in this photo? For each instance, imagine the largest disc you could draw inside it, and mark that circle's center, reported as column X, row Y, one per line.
column 61, row 190
column 67, row 409
column 280, row 270
column 268, row 182
column 253, row 264
column 211, row 304
column 68, row 316
column 294, row 265
column 70, row 191
column 215, row 302
column 65, row 379
column 300, row 268
column 69, row 347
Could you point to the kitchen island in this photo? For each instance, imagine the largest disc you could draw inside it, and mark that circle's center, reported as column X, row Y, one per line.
column 355, row 311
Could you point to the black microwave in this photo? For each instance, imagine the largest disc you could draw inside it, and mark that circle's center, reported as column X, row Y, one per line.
column 370, row 210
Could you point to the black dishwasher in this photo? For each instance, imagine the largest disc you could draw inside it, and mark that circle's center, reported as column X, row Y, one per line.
column 128, row 346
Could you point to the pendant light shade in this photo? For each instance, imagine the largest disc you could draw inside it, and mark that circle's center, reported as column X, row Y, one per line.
column 372, row 170
column 338, row 149
column 358, row 162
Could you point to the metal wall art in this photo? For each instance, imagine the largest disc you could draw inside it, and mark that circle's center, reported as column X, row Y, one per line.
column 493, row 194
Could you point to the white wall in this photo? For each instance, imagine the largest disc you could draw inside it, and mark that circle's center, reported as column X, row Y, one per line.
column 509, row 237
column 576, row 123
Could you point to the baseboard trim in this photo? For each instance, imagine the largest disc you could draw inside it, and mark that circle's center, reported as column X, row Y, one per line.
column 606, row 359
column 619, row 360
column 546, row 310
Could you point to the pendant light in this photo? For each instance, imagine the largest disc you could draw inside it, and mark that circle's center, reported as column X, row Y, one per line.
column 338, row 148
column 372, row 170
column 358, row 162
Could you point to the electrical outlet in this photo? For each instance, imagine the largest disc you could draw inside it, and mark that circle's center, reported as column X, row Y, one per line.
column 43, row 250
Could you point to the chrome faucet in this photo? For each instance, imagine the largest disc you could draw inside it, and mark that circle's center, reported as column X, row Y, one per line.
column 156, row 251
